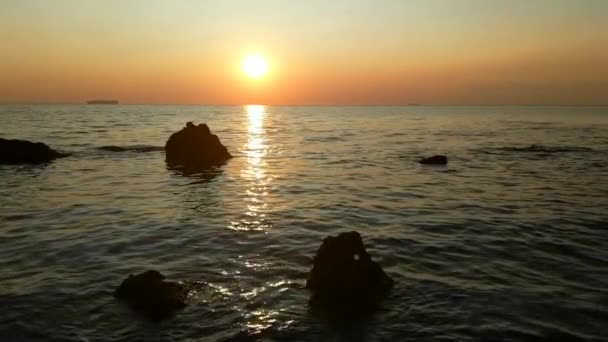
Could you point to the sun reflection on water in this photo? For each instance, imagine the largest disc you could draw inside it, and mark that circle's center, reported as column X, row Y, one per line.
column 255, row 151
column 256, row 147
column 256, row 313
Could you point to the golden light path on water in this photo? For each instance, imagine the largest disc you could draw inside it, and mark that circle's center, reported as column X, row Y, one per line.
column 256, row 147
column 254, row 171
column 255, row 150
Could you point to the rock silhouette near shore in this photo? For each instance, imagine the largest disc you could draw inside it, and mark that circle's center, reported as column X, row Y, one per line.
column 14, row 151
column 195, row 148
column 149, row 293
column 344, row 275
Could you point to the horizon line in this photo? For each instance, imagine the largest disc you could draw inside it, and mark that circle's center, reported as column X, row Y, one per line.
column 302, row 105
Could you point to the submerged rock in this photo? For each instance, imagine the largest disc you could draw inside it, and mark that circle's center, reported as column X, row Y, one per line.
column 344, row 275
column 195, row 148
column 149, row 293
column 13, row 151
column 435, row 160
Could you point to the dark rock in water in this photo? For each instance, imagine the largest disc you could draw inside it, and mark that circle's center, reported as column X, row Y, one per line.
column 149, row 293
column 15, row 151
column 195, row 148
column 344, row 275
column 434, row 160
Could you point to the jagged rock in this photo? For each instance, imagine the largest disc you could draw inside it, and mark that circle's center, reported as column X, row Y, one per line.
column 344, row 274
column 195, row 148
column 149, row 293
column 435, row 160
column 13, row 151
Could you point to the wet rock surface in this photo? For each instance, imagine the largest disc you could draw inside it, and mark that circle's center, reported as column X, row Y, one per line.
column 344, row 274
column 14, row 151
column 195, row 148
column 149, row 293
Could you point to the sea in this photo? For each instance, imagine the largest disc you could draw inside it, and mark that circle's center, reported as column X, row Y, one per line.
column 507, row 242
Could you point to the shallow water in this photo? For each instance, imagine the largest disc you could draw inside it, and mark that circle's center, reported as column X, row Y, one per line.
column 505, row 243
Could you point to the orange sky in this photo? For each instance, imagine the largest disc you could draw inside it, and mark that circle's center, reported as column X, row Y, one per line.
column 345, row 53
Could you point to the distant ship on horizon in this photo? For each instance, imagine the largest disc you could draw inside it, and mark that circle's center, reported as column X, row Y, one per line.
column 109, row 102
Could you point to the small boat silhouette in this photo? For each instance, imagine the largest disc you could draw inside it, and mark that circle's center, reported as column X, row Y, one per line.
column 102, row 102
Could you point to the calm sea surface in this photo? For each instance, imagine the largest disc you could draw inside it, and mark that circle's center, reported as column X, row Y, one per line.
column 506, row 243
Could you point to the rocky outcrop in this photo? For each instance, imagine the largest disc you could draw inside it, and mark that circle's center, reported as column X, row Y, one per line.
column 344, row 275
column 434, row 160
column 195, row 148
column 149, row 293
column 15, row 151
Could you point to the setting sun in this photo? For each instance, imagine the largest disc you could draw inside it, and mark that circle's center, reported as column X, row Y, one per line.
column 255, row 66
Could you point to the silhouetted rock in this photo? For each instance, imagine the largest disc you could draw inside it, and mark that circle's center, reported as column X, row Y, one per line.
column 149, row 293
column 15, row 151
column 435, row 160
column 195, row 148
column 344, row 275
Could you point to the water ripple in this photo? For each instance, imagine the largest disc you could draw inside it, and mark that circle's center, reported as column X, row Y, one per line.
column 507, row 242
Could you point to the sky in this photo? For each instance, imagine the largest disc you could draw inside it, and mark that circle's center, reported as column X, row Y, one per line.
column 341, row 52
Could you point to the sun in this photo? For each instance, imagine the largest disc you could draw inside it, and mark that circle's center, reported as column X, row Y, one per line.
column 255, row 66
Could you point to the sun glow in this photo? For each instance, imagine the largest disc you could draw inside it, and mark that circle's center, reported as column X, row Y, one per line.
column 255, row 66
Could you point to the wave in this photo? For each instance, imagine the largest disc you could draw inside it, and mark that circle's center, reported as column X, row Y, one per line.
column 536, row 149
column 132, row 148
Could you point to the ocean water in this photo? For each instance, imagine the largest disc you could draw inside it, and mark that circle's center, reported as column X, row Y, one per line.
column 505, row 243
